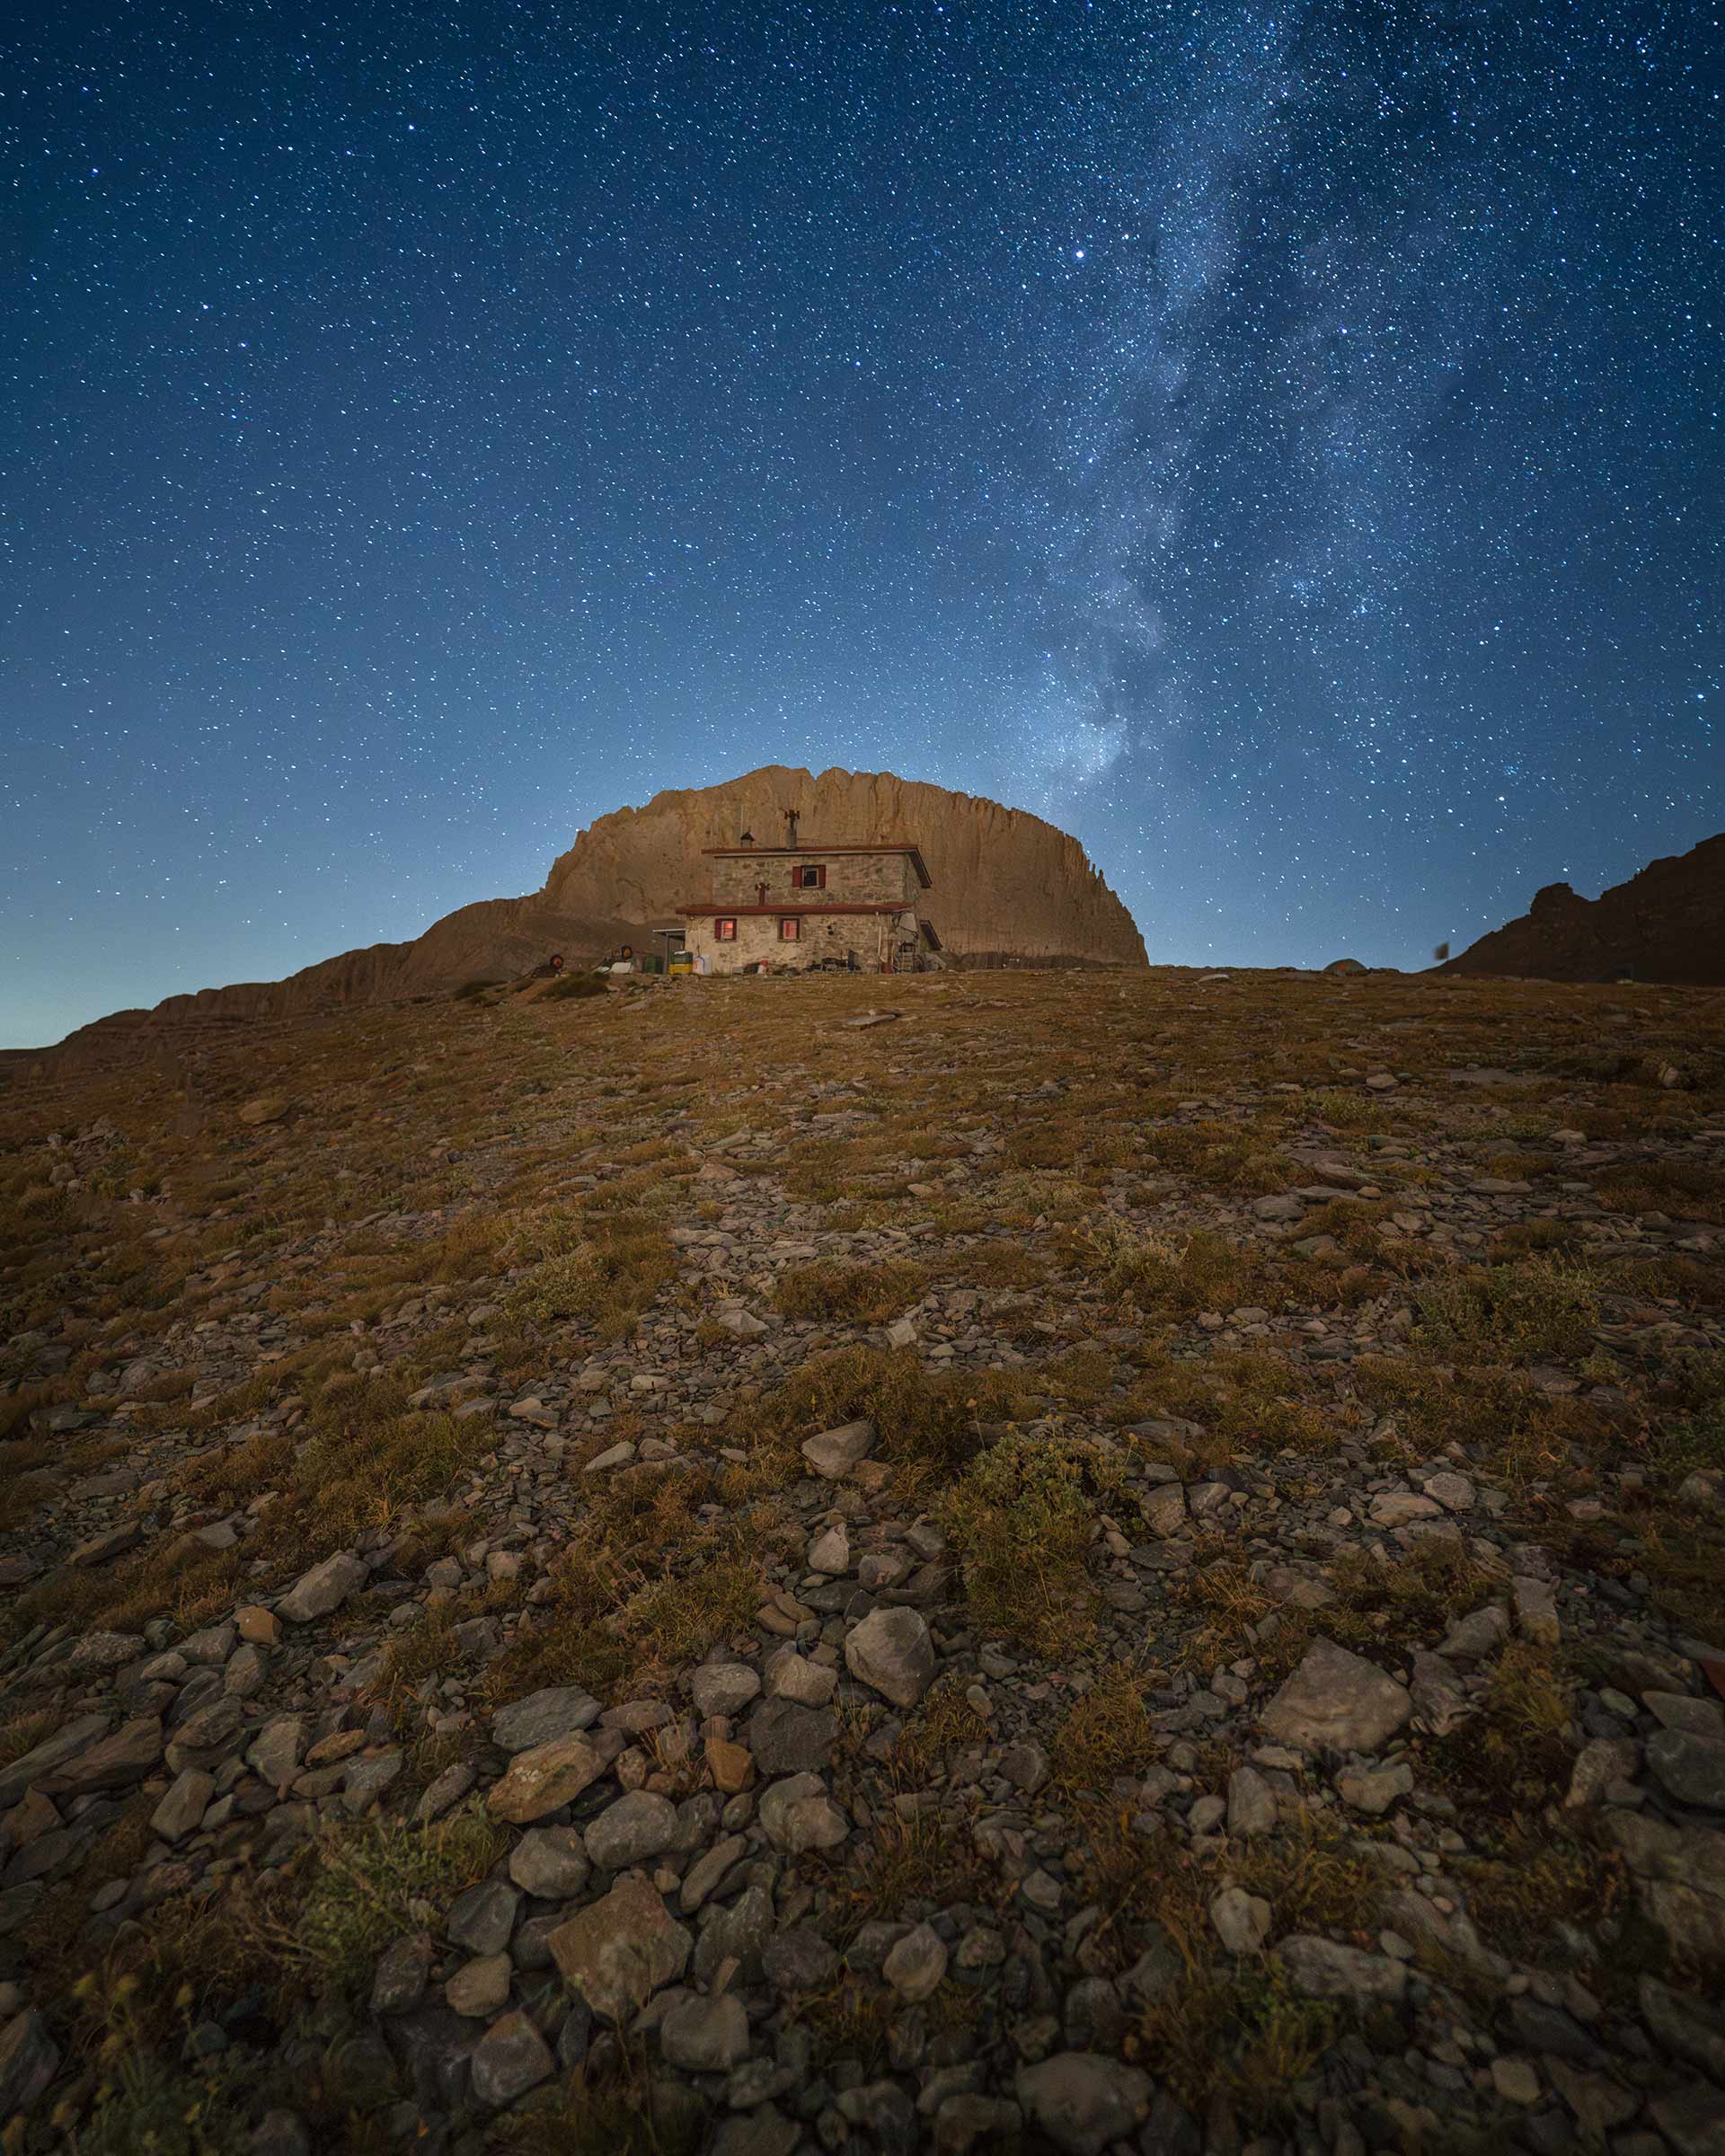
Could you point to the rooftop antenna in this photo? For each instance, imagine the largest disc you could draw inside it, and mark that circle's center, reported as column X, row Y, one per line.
column 790, row 815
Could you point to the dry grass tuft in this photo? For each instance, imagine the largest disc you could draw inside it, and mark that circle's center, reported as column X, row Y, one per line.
column 608, row 1280
column 1541, row 1310
column 829, row 1292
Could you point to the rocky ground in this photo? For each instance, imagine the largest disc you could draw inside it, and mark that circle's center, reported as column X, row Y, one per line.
column 1044, row 1562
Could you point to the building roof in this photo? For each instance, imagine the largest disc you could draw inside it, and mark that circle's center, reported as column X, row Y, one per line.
column 839, row 905
column 814, row 852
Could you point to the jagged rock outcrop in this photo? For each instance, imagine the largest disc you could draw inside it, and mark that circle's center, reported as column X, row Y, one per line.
column 1665, row 923
column 1007, row 887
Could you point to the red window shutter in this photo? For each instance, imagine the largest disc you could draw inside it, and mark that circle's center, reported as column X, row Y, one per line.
column 820, row 878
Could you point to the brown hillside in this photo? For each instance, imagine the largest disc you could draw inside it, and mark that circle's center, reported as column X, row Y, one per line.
column 1007, row 887
column 1665, row 923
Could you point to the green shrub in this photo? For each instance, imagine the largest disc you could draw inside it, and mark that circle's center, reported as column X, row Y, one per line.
column 1020, row 1522
column 1182, row 1274
column 375, row 1882
column 922, row 1418
column 609, row 1280
column 1541, row 1309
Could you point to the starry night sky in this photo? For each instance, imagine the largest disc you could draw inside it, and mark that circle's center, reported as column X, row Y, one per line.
column 1281, row 446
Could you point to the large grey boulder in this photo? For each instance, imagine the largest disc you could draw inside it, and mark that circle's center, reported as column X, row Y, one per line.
column 788, row 1738
column 1691, row 1767
column 511, row 2058
column 705, row 2036
column 543, row 1717
column 1322, row 1969
column 621, row 1950
column 112, row 1762
column 38, row 1763
column 1083, row 2101
column 834, row 1453
column 723, row 1687
column 326, row 1587
column 1337, row 1701
column 637, row 1826
column 182, row 1808
column 916, row 1964
column 797, row 1816
column 551, row 1863
column 891, row 1650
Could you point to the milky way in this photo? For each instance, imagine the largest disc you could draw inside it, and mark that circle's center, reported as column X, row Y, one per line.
column 1281, row 446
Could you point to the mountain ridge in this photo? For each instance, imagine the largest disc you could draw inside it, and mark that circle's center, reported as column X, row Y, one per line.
column 1666, row 923
column 1009, row 887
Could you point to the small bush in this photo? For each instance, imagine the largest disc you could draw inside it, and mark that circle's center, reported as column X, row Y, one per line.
column 1525, row 1881
column 1243, row 2034
column 911, row 1860
column 367, row 1459
column 583, row 2120
column 1691, row 1442
column 1219, row 1156
column 646, row 1588
column 1042, row 1145
column 1181, row 1274
column 997, row 1264
column 574, row 985
column 1540, row 1309
column 1019, row 1522
column 850, row 1294
column 376, row 1882
column 922, row 1419
column 1514, row 1754
column 609, row 1280
column 146, row 2105
column 1105, row 1735
column 1351, row 1111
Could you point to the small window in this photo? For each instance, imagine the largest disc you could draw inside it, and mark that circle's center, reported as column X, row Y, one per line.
column 789, row 929
column 724, row 931
column 809, row 879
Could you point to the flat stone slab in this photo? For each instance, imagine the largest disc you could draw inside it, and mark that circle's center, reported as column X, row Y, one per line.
column 617, row 1953
column 1337, row 1701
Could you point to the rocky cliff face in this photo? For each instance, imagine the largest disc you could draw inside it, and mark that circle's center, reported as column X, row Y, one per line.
column 1005, row 883
column 1007, row 886
column 1665, row 923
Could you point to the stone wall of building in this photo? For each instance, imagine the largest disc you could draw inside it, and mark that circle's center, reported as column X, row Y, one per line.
column 855, row 878
column 824, row 936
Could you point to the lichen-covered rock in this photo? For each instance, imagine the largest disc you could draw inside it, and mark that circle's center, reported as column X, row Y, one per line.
column 891, row 1650
column 1323, row 1969
column 618, row 1952
column 1082, row 2102
column 511, row 2058
column 545, row 1777
column 1337, row 1701
column 705, row 2036
column 326, row 1587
